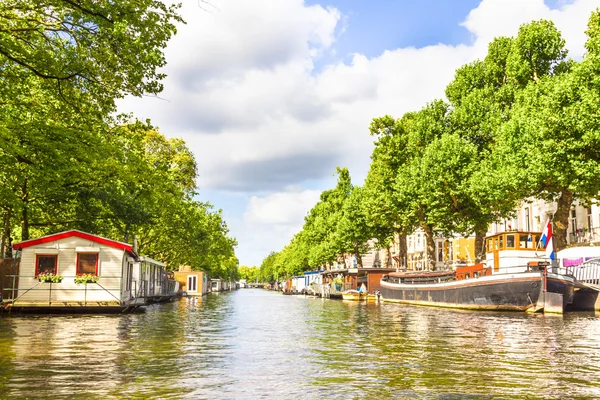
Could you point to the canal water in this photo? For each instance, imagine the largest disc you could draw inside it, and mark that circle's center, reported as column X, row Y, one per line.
column 252, row 344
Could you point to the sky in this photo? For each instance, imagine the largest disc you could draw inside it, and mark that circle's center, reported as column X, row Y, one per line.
column 272, row 95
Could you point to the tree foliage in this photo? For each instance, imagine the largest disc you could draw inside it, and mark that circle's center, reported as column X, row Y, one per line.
column 66, row 162
column 523, row 122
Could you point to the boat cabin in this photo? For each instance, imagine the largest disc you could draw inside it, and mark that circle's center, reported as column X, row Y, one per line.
column 353, row 278
column 52, row 271
column 193, row 283
column 509, row 252
column 216, row 285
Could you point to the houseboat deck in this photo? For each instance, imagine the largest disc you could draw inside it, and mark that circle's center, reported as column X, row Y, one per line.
column 65, row 307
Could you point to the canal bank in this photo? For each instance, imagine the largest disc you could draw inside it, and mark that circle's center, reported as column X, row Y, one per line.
column 254, row 343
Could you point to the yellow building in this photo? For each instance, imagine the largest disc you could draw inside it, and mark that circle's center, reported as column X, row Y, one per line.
column 193, row 283
column 463, row 250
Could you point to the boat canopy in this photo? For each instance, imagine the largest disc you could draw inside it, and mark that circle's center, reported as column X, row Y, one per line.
column 577, row 255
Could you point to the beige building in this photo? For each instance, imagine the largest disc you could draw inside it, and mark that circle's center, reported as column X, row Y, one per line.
column 194, row 283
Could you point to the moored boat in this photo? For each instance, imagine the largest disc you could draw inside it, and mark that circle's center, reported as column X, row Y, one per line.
column 515, row 281
column 354, row 295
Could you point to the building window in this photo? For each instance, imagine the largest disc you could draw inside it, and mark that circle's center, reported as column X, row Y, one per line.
column 46, row 264
column 87, row 263
column 192, row 283
column 527, row 226
column 573, row 221
column 590, row 218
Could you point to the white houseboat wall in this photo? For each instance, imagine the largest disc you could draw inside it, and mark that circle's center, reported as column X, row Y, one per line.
column 154, row 283
column 298, row 285
column 313, row 277
column 216, row 285
column 125, row 280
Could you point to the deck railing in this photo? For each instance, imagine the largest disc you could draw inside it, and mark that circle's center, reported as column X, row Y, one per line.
column 17, row 293
column 588, row 272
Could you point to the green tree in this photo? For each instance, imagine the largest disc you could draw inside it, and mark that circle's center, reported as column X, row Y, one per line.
column 87, row 52
column 352, row 230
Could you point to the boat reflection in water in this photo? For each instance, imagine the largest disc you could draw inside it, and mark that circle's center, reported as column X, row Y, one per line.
column 513, row 280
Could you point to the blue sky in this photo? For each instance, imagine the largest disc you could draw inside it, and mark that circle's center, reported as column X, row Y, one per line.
column 271, row 96
column 374, row 26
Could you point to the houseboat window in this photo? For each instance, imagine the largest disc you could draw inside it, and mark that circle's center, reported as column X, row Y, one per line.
column 510, row 241
column 87, row 263
column 501, row 242
column 489, row 245
column 467, row 276
column 46, row 264
column 495, row 243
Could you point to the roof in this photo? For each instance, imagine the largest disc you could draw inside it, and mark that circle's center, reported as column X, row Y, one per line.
column 73, row 233
column 149, row 260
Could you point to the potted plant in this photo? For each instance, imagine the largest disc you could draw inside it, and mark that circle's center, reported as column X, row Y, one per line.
column 49, row 277
column 84, row 279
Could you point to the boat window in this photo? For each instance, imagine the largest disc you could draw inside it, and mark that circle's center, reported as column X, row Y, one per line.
column 87, row 263
column 489, row 245
column 46, row 264
column 510, row 241
column 496, row 243
column 501, row 237
column 523, row 241
column 475, row 274
column 467, row 276
column 536, row 241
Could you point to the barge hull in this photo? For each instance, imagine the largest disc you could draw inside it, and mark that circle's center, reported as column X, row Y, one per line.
column 517, row 294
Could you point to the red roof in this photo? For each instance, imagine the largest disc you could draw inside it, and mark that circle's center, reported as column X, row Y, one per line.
column 76, row 233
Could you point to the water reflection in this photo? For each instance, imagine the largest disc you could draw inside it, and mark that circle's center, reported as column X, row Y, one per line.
column 258, row 344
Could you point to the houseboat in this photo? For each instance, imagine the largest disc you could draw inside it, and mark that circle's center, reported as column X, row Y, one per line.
column 516, row 278
column 75, row 271
column 354, row 295
column 193, row 283
column 345, row 279
column 217, row 285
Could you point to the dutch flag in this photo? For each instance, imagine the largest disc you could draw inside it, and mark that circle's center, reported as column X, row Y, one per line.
column 546, row 240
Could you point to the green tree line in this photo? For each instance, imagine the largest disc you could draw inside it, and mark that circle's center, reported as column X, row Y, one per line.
column 522, row 123
column 68, row 161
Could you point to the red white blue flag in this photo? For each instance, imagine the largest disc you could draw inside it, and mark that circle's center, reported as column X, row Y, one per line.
column 546, row 240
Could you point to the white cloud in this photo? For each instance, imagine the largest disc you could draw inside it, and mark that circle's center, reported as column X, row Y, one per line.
column 283, row 208
column 269, row 222
column 243, row 92
column 494, row 18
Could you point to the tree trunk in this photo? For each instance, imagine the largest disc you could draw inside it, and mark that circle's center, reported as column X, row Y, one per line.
column 6, row 241
column 428, row 230
column 388, row 258
column 358, row 257
column 402, row 250
column 560, row 221
column 25, row 211
column 126, row 236
column 480, row 244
